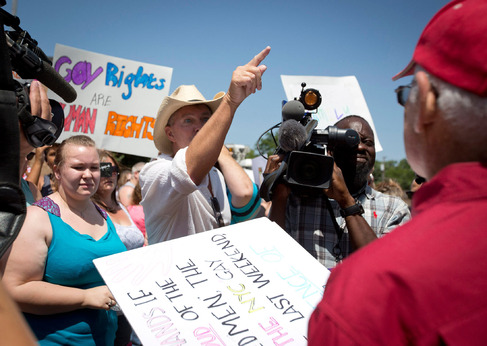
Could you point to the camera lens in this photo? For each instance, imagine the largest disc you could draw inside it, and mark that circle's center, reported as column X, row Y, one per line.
column 309, row 169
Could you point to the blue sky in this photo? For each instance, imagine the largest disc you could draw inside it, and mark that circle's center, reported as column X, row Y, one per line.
column 203, row 41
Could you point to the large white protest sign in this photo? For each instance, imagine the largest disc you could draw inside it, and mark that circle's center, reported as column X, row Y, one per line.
column 341, row 96
column 117, row 99
column 245, row 284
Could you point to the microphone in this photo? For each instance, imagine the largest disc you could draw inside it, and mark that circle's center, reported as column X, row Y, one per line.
column 292, row 110
column 53, row 80
column 29, row 65
column 292, row 135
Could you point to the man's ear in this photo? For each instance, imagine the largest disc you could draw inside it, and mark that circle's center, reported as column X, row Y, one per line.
column 427, row 102
column 169, row 133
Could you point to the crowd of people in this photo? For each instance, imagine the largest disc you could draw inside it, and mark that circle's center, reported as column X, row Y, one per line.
column 400, row 273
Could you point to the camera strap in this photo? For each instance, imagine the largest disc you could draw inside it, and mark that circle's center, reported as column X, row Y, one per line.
column 337, row 250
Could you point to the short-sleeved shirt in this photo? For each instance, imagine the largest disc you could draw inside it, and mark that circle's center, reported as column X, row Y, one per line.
column 174, row 206
column 309, row 222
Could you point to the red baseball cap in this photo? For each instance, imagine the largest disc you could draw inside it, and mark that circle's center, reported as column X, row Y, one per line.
column 453, row 46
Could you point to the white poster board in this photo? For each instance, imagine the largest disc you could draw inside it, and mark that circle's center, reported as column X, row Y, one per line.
column 341, row 96
column 246, row 284
column 117, row 99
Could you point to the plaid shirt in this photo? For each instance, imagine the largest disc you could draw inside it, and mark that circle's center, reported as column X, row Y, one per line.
column 309, row 223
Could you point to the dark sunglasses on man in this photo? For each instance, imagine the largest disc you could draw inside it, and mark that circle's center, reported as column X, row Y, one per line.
column 402, row 93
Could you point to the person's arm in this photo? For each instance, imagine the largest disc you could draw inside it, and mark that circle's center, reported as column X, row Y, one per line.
column 39, row 106
column 277, row 211
column 23, row 277
column 280, row 193
column 34, row 175
column 237, row 181
column 204, row 149
column 36, row 193
column 15, row 330
column 125, row 195
column 359, row 230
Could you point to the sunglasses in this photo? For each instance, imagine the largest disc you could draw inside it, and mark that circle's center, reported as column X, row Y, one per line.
column 403, row 92
column 216, row 209
column 30, row 155
column 107, row 169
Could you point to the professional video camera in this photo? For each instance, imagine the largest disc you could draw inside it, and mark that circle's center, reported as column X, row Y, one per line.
column 30, row 62
column 306, row 167
column 19, row 53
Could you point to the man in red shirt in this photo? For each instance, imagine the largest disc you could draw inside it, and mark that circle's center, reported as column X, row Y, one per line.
column 426, row 283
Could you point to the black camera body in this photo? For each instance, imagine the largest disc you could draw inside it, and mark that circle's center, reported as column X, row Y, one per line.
column 306, row 167
column 310, row 167
column 30, row 62
column 38, row 131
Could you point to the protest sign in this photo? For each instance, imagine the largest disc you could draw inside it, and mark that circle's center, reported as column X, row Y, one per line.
column 341, row 96
column 117, row 99
column 244, row 284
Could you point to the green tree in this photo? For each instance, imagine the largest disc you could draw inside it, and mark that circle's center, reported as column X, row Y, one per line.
column 398, row 171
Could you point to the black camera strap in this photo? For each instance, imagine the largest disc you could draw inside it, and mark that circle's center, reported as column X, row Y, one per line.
column 12, row 200
column 337, row 250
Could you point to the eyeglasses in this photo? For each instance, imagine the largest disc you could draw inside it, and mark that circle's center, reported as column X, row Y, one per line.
column 403, row 93
column 30, row 155
column 216, row 210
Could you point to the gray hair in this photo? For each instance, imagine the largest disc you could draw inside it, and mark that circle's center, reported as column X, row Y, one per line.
column 464, row 110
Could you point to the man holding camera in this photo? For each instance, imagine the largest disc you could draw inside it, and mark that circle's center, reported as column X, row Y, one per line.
column 350, row 214
column 425, row 284
column 182, row 192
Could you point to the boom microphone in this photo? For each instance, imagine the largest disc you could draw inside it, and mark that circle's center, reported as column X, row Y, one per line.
column 292, row 135
column 53, row 80
column 292, row 110
column 29, row 65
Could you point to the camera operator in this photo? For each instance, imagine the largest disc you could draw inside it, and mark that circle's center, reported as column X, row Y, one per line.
column 40, row 107
column 346, row 216
column 15, row 328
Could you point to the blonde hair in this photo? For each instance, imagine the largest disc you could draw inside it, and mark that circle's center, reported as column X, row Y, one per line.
column 79, row 140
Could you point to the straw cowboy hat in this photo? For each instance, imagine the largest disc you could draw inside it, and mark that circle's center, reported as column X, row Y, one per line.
column 185, row 95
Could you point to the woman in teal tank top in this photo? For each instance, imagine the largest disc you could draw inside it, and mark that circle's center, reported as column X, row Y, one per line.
column 50, row 271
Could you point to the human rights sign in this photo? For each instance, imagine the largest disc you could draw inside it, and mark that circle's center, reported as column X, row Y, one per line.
column 117, row 99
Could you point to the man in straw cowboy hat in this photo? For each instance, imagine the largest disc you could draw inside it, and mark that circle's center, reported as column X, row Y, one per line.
column 182, row 192
column 425, row 283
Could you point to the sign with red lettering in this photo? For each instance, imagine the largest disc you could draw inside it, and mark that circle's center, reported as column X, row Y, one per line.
column 244, row 284
column 117, row 99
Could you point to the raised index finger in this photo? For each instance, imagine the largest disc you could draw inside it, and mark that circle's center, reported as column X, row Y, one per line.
column 259, row 57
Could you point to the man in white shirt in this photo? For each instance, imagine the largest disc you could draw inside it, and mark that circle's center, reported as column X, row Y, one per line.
column 182, row 192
